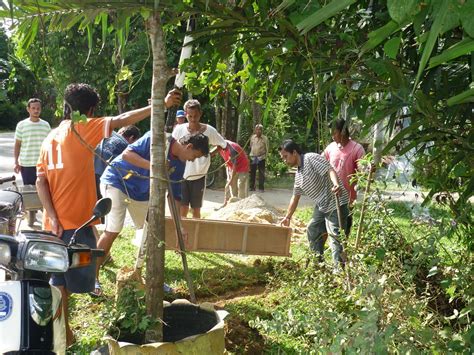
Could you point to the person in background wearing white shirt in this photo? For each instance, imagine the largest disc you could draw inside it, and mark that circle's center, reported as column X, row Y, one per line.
column 195, row 171
column 29, row 135
column 258, row 153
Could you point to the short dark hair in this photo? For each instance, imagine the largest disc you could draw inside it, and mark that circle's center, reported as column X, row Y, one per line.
column 193, row 103
column 290, row 146
column 79, row 97
column 199, row 141
column 341, row 125
column 130, row 131
column 33, row 100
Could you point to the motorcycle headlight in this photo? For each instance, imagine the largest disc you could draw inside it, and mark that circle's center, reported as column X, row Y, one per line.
column 47, row 257
column 5, row 254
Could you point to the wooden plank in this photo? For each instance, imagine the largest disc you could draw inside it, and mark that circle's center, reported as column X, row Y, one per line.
column 207, row 235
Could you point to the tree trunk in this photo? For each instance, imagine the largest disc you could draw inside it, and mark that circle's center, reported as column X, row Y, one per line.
column 225, row 116
column 256, row 114
column 155, row 261
column 218, row 114
column 378, row 141
column 241, row 114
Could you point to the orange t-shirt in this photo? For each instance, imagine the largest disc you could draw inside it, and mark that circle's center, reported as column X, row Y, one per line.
column 68, row 165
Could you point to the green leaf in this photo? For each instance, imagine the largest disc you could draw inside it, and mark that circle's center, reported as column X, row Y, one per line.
column 77, row 117
column 221, row 66
column 435, row 30
column 379, row 35
column 467, row 11
column 464, row 47
column 451, row 19
column 400, row 10
column 433, row 271
column 465, row 96
column 328, row 11
column 90, row 32
column 401, row 135
column 391, row 47
column 460, row 170
column 105, row 28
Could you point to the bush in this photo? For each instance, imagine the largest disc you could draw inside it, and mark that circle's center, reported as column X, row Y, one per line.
column 11, row 114
column 275, row 130
column 403, row 297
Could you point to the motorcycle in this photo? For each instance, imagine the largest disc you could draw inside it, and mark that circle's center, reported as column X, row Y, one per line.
column 11, row 205
column 31, row 319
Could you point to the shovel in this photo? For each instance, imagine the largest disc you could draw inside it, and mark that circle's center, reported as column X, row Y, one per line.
column 344, row 253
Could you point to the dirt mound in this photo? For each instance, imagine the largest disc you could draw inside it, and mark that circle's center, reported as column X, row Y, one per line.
column 250, row 209
column 255, row 209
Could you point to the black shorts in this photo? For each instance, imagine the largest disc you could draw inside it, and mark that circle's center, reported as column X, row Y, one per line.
column 193, row 192
column 28, row 175
column 81, row 279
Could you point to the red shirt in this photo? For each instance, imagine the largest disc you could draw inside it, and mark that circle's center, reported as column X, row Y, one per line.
column 344, row 160
column 235, row 157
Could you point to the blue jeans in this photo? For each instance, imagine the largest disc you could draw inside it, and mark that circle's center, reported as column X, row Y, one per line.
column 327, row 222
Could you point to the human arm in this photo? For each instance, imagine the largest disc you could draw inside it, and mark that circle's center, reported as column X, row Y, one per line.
column 295, row 199
column 42, row 186
column 336, row 188
column 135, row 159
column 173, row 98
column 16, row 152
column 215, row 138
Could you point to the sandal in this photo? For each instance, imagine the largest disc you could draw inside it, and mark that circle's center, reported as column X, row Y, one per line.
column 97, row 289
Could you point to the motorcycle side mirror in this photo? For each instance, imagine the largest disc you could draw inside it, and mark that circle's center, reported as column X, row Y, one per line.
column 101, row 208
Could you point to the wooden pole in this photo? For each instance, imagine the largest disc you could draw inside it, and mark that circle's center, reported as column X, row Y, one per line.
column 177, row 223
column 362, row 210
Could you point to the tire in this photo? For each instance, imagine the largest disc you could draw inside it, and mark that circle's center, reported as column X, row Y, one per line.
column 210, row 179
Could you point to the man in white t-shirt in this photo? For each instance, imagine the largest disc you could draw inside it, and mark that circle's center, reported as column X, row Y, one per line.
column 195, row 171
column 29, row 135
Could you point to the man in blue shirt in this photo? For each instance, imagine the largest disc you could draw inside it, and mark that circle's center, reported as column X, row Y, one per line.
column 110, row 148
column 130, row 191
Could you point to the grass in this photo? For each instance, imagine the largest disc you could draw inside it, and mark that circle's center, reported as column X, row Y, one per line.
column 248, row 287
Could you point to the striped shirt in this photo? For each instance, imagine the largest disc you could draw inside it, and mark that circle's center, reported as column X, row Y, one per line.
column 312, row 179
column 31, row 135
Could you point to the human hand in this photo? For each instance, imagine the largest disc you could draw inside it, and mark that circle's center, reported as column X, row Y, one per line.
column 185, row 235
column 336, row 189
column 173, row 98
column 285, row 222
column 16, row 168
column 56, row 227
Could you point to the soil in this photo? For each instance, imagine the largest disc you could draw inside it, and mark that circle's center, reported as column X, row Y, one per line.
column 240, row 338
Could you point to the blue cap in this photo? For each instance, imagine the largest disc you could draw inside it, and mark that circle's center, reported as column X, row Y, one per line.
column 180, row 113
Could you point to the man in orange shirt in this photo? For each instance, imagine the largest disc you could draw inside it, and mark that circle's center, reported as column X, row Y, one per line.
column 66, row 181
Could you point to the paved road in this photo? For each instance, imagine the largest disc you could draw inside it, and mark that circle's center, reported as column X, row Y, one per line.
column 7, row 142
column 213, row 198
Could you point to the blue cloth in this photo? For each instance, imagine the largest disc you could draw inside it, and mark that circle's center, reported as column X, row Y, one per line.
column 327, row 222
column 176, row 172
column 138, row 188
column 108, row 149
